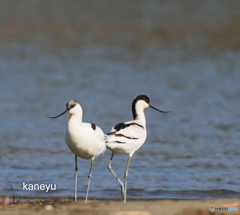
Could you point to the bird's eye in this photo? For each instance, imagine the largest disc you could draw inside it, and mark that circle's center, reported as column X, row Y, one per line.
column 72, row 106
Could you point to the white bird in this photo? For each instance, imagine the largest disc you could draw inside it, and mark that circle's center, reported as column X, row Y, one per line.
column 128, row 137
column 85, row 140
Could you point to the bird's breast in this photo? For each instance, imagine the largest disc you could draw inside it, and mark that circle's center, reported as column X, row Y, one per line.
column 82, row 140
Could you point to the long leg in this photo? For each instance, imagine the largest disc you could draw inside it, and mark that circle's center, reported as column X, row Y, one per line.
column 76, row 173
column 126, row 176
column 89, row 177
column 111, row 170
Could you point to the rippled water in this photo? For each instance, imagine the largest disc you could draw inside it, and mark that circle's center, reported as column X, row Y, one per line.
column 192, row 152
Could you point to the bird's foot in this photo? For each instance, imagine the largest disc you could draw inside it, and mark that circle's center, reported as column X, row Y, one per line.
column 122, row 190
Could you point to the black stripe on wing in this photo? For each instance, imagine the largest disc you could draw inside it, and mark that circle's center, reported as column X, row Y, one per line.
column 122, row 135
column 122, row 125
column 116, row 142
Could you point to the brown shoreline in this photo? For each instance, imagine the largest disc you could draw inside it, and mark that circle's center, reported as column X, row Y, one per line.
column 65, row 206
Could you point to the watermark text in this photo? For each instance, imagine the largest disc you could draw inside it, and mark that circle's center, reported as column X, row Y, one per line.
column 45, row 187
column 212, row 209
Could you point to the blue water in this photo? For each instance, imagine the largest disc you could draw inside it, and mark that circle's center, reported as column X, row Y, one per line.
column 192, row 152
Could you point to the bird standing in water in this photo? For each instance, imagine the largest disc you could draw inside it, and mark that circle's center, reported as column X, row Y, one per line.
column 85, row 140
column 128, row 137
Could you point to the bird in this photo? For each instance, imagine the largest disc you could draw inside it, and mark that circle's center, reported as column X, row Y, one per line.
column 128, row 137
column 85, row 140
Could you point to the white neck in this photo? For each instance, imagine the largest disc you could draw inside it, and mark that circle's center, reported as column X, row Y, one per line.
column 141, row 116
column 76, row 117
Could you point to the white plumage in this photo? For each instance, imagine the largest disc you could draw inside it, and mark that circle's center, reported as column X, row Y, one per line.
column 85, row 140
column 128, row 137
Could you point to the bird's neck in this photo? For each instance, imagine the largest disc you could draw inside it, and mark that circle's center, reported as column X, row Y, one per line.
column 140, row 116
column 75, row 118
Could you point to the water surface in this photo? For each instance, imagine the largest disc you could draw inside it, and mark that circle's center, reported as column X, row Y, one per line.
column 192, row 152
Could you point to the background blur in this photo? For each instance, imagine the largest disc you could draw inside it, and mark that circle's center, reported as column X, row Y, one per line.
column 185, row 55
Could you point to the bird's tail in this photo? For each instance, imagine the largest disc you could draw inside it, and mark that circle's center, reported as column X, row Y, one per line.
column 106, row 137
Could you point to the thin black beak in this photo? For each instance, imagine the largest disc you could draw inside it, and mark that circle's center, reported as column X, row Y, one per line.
column 54, row 117
column 159, row 110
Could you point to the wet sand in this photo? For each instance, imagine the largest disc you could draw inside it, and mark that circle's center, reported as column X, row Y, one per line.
column 113, row 207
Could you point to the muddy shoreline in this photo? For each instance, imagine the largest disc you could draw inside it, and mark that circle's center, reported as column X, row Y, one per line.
column 145, row 207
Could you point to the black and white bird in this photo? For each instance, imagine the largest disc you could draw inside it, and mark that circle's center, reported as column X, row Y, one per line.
column 128, row 137
column 85, row 140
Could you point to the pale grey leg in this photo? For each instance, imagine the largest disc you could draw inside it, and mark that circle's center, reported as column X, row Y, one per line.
column 89, row 178
column 111, row 170
column 126, row 176
column 76, row 173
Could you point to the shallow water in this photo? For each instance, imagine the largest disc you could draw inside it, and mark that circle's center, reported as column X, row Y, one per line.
column 192, row 152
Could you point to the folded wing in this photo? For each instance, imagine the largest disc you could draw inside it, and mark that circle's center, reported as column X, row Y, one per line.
column 123, row 132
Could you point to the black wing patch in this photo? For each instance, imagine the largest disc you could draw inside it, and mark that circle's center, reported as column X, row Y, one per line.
column 93, row 126
column 121, row 135
column 116, row 142
column 122, row 125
